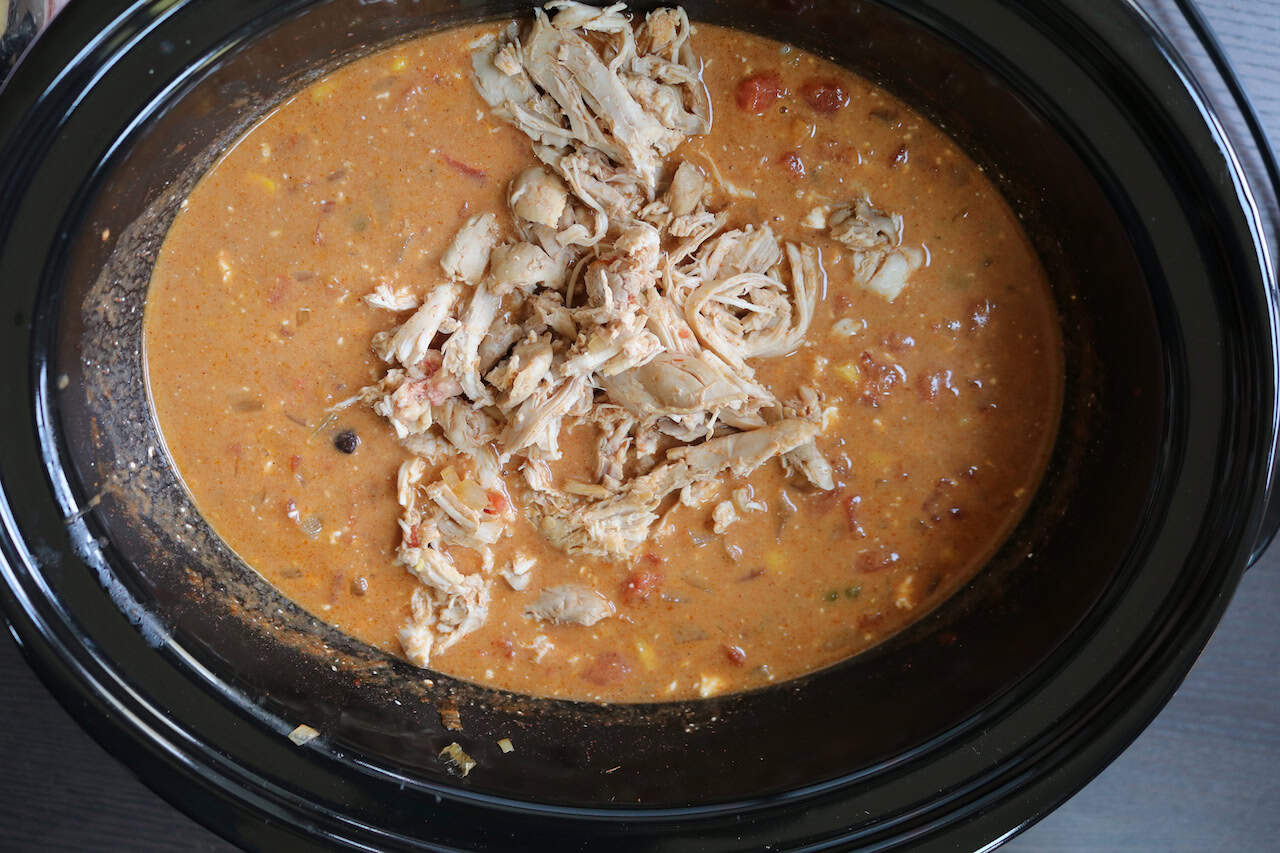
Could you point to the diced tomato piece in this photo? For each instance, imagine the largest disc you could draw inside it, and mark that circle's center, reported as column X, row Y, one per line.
column 792, row 163
column 641, row 584
column 876, row 561
column 880, row 376
column 735, row 654
column 497, row 502
column 757, row 93
column 824, row 96
column 869, row 621
column 607, row 668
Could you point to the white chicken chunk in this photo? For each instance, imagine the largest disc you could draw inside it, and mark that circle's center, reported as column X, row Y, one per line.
column 468, row 255
column 723, row 516
column 412, row 341
column 570, row 604
column 522, row 266
column 881, row 263
column 448, row 606
column 755, row 315
column 538, row 196
column 686, row 190
column 462, row 350
column 391, row 298
column 619, row 525
column 519, row 572
column 528, row 364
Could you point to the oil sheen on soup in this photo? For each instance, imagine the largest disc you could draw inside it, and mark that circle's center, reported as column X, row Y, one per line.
column 604, row 356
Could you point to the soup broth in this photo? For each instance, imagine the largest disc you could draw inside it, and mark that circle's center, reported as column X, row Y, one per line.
column 935, row 409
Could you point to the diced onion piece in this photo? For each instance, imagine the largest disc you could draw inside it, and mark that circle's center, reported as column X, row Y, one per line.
column 303, row 734
column 505, row 745
column 450, row 718
column 461, row 762
column 847, row 327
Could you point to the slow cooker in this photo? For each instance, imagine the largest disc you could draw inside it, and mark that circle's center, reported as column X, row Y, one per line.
column 956, row 733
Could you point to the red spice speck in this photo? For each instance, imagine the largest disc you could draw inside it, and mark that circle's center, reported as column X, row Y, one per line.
column 279, row 290
column 470, row 171
column 876, row 561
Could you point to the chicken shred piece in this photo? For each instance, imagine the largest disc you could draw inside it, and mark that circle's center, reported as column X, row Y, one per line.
column 881, row 263
column 611, row 298
column 391, row 298
column 468, row 255
column 570, row 604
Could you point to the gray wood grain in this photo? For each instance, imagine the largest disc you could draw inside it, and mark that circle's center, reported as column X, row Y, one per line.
column 1204, row 776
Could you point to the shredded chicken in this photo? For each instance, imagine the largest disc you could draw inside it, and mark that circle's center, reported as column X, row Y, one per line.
column 616, row 300
column 391, row 298
column 881, row 263
column 517, row 573
column 570, row 603
column 723, row 516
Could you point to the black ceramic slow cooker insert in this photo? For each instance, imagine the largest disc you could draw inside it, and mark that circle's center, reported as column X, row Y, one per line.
column 954, row 734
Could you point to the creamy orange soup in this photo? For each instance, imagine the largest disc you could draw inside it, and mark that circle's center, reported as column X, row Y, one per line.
column 941, row 405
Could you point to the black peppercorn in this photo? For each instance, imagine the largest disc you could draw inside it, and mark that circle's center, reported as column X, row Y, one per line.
column 347, row 441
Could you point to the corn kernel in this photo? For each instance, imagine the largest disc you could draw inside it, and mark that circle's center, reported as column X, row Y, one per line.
column 322, row 90
column 849, row 372
column 263, row 181
column 399, row 64
column 646, row 654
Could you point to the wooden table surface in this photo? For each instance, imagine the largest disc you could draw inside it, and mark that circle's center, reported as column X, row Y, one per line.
column 1205, row 776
